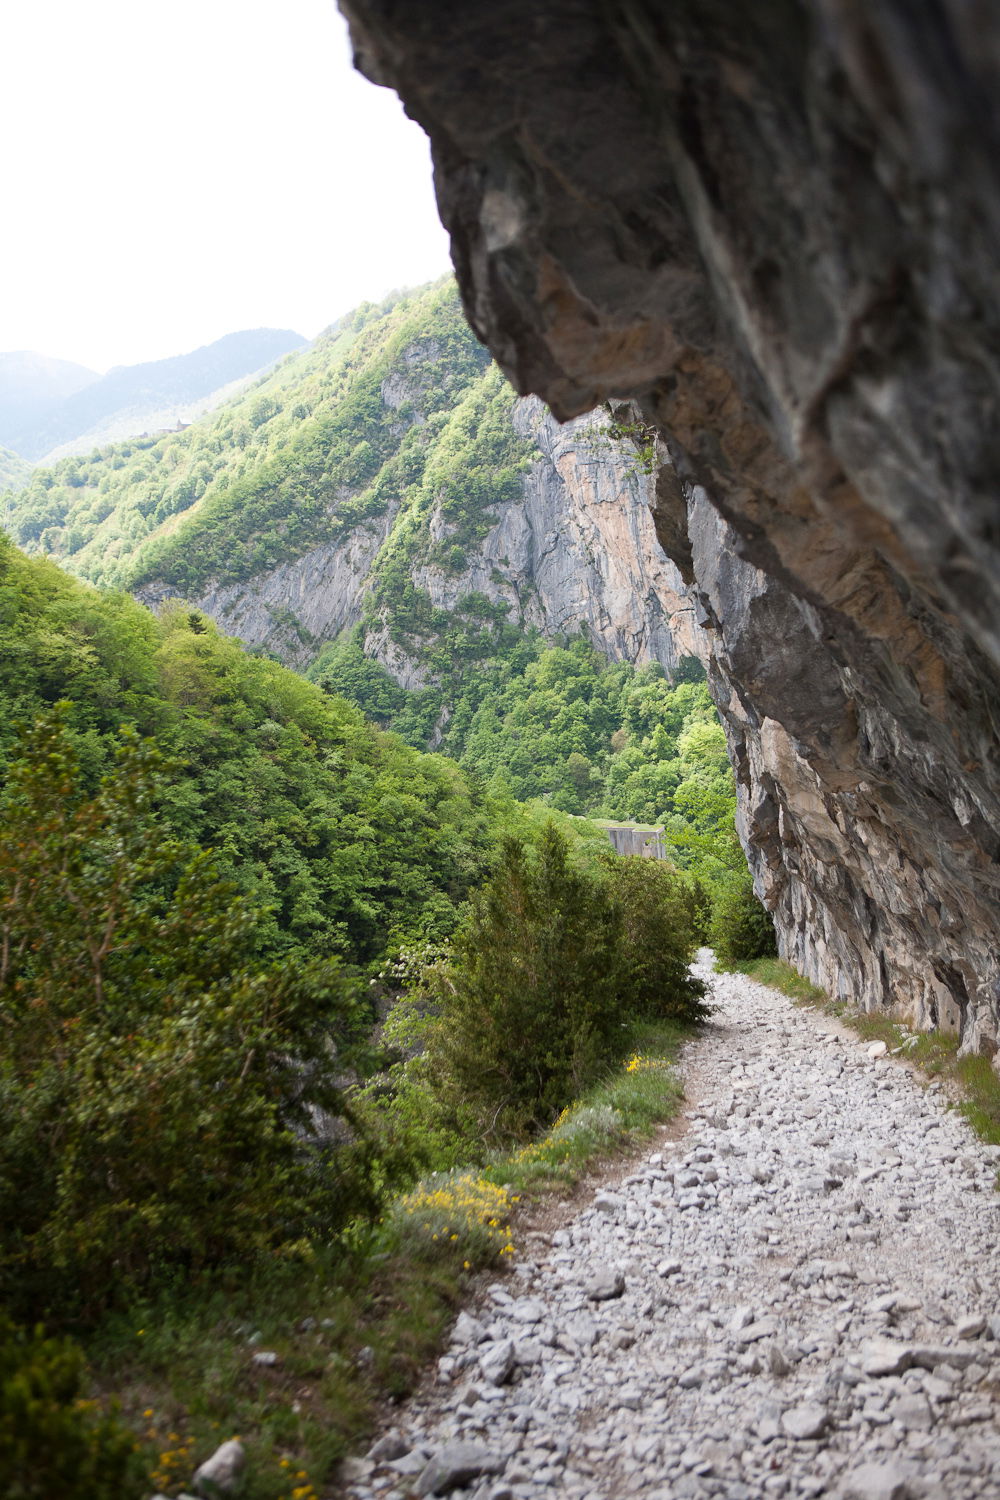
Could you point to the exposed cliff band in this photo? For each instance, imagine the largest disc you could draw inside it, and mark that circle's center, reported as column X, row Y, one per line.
column 775, row 229
column 575, row 549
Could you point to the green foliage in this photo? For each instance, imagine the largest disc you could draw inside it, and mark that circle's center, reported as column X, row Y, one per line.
column 741, row 927
column 561, row 952
column 343, row 669
column 323, row 444
column 475, row 462
column 659, row 917
column 455, row 1214
column 618, row 1111
column 530, row 1006
column 348, row 837
column 159, row 1096
column 54, row 1443
column 626, row 427
column 588, row 737
column 14, row 471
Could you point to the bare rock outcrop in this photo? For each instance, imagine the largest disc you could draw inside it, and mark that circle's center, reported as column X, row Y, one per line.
column 775, row 228
column 578, row 549
column 575, row 549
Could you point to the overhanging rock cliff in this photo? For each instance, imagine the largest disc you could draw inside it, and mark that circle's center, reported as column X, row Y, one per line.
column 775, row 229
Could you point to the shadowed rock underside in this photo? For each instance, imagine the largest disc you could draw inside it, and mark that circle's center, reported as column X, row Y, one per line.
column 774, row 228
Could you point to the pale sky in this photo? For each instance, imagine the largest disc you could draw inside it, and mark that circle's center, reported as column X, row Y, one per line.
column 174, row 172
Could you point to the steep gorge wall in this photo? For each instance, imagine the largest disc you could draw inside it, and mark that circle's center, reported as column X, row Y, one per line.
column 576, row 549
column 775, row 229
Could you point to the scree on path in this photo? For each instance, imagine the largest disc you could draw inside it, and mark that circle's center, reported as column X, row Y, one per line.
column 798, row 1297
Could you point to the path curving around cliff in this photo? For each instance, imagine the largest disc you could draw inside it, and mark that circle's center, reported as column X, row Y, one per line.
column 798, row 1297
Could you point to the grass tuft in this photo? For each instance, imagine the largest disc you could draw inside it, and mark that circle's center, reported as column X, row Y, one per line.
column 934, row 1053
column 778, row 975
column 357, row 1325
column 612, row 1117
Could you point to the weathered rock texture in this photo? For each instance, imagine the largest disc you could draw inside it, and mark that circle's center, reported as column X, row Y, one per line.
column 636, row 839
column 579, row 549
column 775, row 227
column 576, row 550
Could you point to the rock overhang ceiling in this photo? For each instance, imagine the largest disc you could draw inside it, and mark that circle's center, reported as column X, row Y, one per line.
column 776, row 230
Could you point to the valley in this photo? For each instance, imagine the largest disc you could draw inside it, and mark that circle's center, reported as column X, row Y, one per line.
column 334, row 675
column 341, row 729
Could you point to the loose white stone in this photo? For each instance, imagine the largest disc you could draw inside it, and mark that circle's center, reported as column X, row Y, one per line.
column 496, row 1361
column 605, row 1285
column 874, row 1481
column 853, row 1297
column 885, row 1357
column 806, row 1421
column 454, row 1466
column 219, row 1474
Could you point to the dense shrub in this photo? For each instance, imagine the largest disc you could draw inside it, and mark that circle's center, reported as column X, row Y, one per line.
column 538, row 995
column 529, row 1006
column 659, row 934
column 55, row 1444
column 741, row 926
column 159, row 1096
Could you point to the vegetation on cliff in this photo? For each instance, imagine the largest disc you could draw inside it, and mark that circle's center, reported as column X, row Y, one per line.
column 347, row 837
column 330, row 439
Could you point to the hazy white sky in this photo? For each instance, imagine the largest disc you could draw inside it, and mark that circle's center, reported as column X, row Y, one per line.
column 174, row 172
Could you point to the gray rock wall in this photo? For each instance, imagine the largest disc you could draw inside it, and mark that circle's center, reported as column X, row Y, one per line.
column 579, row 548
column 777, row 229
column 628, row 838
column 576, row 550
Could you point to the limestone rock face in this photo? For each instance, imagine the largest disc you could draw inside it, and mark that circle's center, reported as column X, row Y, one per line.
column 775, row 229
column 576, row 549
column 579, row 549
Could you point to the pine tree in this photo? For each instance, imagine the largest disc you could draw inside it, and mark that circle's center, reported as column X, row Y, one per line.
column 530, row 1006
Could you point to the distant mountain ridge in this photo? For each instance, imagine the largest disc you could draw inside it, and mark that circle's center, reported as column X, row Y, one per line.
column 50, row 409
column 32, row 384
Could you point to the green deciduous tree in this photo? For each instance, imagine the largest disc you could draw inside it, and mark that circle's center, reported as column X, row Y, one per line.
column 741, row 928
column 159, row 1091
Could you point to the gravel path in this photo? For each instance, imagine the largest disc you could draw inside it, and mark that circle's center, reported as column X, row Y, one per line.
column 797, row 1298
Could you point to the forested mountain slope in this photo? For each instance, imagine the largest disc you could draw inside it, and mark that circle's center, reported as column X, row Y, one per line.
column 349, row 837
column 387, row 477
column 278, row 469
column 384, row 512
column 14, row 472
